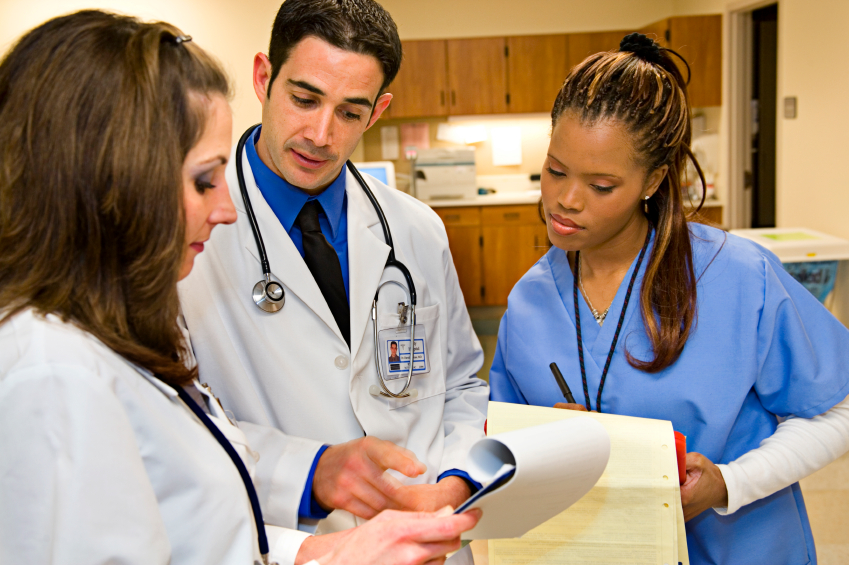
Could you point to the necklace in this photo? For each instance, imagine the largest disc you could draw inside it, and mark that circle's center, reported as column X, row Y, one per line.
column 599, row 318
column 618, row 326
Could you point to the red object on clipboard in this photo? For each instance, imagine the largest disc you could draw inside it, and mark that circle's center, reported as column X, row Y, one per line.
column 681, row 454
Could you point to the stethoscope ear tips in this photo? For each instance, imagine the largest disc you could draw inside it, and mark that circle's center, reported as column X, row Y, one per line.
column 269, row 296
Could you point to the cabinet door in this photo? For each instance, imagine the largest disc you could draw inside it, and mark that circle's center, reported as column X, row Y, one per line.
column 582, row 45
column 699, row 40
column 477, row 76
column 462, row 224
column 421, row 87
column 537, row 66
column 514, row 238
column 658, row 31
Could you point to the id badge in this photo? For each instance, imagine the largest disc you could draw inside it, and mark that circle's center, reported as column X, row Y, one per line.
column 395, row 350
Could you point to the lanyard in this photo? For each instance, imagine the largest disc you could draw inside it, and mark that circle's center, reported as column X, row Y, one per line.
column 237, row 461
column 618, row 325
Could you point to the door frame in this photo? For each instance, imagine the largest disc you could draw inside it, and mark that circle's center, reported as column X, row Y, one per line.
column 738, row 93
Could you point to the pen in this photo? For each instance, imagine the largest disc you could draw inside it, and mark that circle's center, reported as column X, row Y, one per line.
column 564, row 388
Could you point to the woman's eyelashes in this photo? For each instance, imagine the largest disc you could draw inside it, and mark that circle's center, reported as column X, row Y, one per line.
column 204, row 182
column 554, row 173
column 602, row 188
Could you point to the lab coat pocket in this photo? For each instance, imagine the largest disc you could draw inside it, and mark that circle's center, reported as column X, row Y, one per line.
column 431, row 383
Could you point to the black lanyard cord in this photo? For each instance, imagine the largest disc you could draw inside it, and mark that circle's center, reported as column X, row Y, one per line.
column 237, row 461
column 618, row 325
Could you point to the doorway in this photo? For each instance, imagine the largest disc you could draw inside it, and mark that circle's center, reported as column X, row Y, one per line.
column 752, row 113
column 763, row 104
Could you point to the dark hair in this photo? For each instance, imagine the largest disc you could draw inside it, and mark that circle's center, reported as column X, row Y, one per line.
column 641, row 88
column 360, row 26
column 97, row 113
column 395, row 343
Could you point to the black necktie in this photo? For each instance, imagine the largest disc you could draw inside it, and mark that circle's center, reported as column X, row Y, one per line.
column 323, row 263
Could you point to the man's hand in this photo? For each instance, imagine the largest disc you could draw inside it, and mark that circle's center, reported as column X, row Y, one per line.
column 450, row 491
column 404, row 538
column 704, row 487
column 350, row 476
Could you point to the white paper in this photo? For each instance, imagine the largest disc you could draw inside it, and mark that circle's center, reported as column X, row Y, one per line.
column 506, row 145
column 389, row 143
column 475, row 134
column 452, row 134
column 555, row 465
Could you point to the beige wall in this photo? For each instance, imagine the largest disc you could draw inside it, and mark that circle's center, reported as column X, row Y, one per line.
column 812, row 149
column 436, row 19
column 232, row 31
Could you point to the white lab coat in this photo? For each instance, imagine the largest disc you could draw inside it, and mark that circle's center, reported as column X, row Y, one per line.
column 103, row 463
column 293, row 371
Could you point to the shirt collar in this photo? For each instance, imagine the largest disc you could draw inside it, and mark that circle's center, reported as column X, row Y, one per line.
column 286, row 200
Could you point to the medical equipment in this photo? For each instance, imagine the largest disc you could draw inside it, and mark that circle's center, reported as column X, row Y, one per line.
column 270, row 297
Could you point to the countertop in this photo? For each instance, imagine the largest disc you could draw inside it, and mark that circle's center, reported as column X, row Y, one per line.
column 510, row 197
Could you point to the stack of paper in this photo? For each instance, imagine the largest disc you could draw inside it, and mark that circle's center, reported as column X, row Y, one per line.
column 631, row 516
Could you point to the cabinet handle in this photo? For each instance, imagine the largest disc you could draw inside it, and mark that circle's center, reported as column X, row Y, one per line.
column 511, row 216
column 453, row 98
column 452, row 217
column 442, row 98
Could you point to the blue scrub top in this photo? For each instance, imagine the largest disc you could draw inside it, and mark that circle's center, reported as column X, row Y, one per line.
column 762, row 346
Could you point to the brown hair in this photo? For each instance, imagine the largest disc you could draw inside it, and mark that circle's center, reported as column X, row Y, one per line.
column 641, row 88
column 97, row 113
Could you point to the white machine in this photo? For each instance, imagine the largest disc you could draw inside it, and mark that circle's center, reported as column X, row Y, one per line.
column 445, row 174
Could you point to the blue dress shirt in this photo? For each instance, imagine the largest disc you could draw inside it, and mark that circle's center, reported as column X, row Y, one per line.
column 286, row 201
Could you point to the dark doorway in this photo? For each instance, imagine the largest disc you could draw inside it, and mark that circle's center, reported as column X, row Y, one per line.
column 764, row 100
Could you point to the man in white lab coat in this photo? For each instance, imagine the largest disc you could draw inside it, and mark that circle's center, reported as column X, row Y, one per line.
column 307, row 370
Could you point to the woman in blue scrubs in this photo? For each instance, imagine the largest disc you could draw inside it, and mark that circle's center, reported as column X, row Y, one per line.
column 649, row 315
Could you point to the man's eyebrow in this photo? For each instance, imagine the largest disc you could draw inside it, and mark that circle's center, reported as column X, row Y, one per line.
column 307, row 86
column 316, row 90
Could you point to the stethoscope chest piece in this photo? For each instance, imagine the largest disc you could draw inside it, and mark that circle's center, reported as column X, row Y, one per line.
column 269, row 295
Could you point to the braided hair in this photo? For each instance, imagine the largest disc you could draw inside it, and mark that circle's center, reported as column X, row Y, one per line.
column 641, row 88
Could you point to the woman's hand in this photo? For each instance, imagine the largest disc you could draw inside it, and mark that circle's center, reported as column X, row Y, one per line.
column 571, row 406
column 404, row 538
column 704, row 487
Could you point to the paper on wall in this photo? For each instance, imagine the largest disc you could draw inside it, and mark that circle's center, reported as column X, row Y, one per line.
column 461, row 134
column 389, row 148
column 506, row 145
column 415, row 135
column 533, row 474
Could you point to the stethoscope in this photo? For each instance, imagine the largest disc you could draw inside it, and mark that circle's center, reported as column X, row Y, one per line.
column 270, row 297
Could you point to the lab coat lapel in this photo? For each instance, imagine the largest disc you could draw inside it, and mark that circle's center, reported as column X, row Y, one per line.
column 286, row 262
column 367, row 253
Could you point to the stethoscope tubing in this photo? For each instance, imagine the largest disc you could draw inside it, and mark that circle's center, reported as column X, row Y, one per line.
column 391, row 260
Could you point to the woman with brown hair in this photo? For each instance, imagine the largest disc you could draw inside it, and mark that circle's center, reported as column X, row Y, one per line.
column 114, row 135
column 672, row 319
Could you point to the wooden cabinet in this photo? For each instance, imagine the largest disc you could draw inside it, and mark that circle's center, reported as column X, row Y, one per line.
column 421, row 87
column 536, row 68
column 463, row 225
column 521, row 74
column 477, row 75
column 582, row 45
column 492, row 247
column 699, row 40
